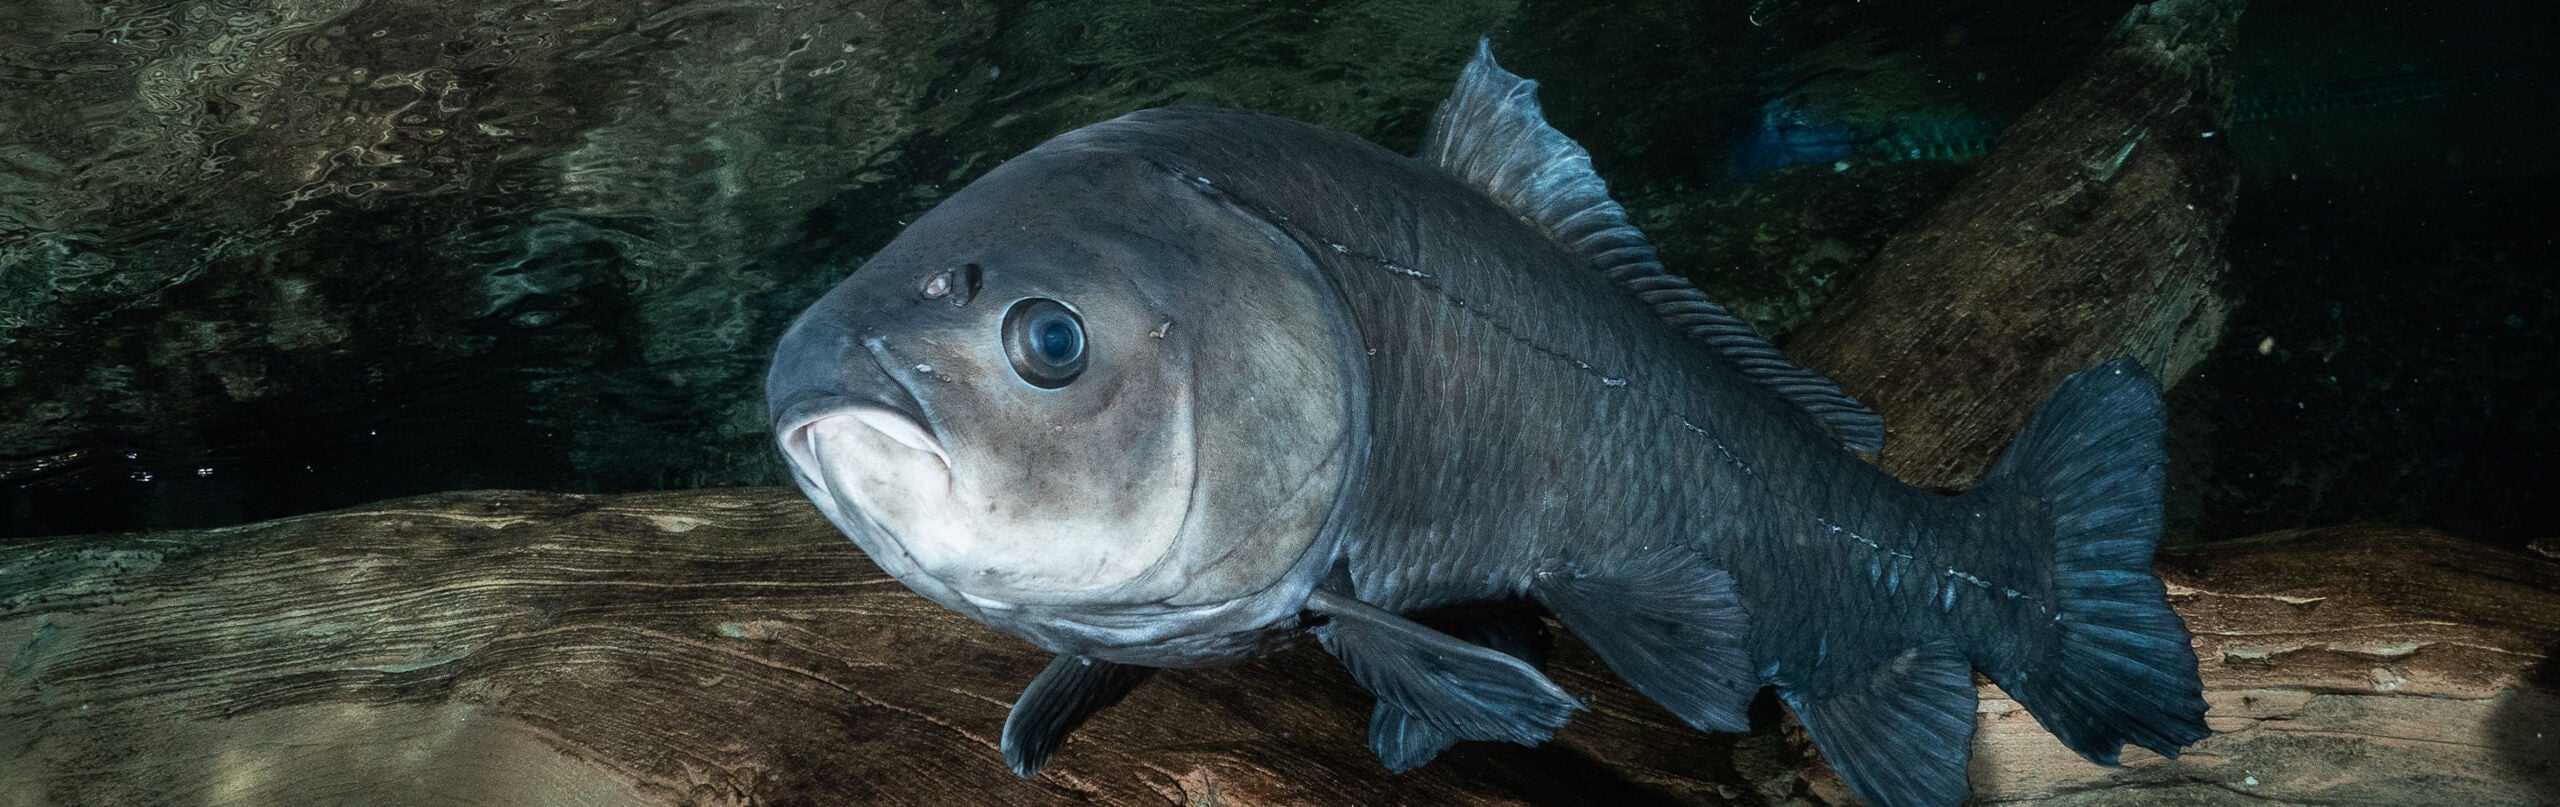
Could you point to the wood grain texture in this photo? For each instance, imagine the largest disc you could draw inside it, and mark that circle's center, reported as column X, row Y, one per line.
column 2347, row 665
column 2094, row 231
column 728, row 647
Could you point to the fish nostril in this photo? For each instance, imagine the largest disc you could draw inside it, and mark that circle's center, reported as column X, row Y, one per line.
column 958, row 284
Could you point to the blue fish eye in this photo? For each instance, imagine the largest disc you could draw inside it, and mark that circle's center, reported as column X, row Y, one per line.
column 1057, row 338
column 1045, row 341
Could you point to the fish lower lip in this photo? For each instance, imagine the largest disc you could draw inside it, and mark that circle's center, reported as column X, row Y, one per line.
column 861, row 423
column 899, row 428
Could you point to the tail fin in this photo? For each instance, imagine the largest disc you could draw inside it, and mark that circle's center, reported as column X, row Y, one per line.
column 2105, row 662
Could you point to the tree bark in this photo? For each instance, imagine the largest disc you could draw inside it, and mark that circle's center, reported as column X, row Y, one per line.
column 729, row 647
column 2094, row 231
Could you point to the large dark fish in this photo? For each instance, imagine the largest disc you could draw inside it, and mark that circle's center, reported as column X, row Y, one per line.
column 1171, row 388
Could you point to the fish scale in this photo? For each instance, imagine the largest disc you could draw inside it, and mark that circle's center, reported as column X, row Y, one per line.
column 1454, row 466
column 1477, row 369
column 1501, row 382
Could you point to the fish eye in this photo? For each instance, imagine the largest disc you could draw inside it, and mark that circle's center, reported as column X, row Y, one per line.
column 1045, row 341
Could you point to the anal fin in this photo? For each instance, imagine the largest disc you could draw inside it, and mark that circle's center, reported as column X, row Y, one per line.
column 1071, row 690
column 1463, row 690
column 1900, row 732
column 1672, row 625
column 1405, row 742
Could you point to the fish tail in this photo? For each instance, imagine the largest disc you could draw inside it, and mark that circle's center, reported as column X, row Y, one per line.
column 2097, row 655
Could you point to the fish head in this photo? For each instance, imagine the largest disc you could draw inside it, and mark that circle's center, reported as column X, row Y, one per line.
column 1086, row 400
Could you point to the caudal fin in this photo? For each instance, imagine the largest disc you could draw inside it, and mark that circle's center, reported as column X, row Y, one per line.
column 2104, row 662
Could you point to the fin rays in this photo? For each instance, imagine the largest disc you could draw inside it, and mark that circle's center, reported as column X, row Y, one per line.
column 1673, row 627
column 1064, row 695
column 1902, row 733
column 2121, row 669
column 1464, row 690
column 1492, row 133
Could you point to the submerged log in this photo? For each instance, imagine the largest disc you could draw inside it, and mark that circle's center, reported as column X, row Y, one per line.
column 729, row 647
column 2094, row 231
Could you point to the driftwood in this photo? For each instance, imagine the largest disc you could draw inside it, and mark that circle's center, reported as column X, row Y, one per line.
column 728, row 647
column 2094, row 231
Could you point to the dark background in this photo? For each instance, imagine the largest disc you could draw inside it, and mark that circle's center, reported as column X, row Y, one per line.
column 262, row 262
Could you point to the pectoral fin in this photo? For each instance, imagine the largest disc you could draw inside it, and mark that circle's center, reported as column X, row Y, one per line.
column 1072, row 689
column 1672, row 626
column 1405, row 742
column 1460, row 689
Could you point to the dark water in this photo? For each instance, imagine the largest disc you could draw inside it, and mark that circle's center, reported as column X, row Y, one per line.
column 265, row 258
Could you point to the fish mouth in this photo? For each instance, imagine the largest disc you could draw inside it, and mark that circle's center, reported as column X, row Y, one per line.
column 822, row 428
column 862, row 432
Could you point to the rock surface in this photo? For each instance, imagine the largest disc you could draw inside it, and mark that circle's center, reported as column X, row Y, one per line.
column 728, row 647
column 260, row 257
column 267, row 259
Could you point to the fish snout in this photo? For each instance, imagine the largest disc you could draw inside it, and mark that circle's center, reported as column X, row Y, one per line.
column 835, row 402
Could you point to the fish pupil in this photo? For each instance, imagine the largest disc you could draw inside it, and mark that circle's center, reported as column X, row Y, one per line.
column 1059, row 343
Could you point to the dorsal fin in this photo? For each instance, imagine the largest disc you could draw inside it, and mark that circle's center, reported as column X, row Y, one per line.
column 1491, row 133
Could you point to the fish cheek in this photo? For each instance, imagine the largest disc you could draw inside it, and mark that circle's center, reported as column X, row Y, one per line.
column 1085, row 487
column 1095, row 470
column 1137, row 452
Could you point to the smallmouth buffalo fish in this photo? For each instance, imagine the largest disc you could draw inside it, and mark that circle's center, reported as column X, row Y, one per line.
column 1171, row 388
